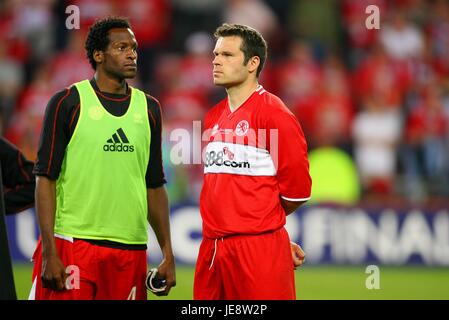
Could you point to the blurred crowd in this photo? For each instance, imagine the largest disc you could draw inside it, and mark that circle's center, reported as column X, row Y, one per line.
column 380, row 96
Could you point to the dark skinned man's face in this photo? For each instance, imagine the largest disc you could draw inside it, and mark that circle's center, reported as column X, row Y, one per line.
column 120, row 56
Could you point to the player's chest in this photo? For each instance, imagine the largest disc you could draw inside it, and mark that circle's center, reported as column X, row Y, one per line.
column 228, row 126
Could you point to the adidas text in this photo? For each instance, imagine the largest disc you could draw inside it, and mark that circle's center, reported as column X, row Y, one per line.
column 118, row 147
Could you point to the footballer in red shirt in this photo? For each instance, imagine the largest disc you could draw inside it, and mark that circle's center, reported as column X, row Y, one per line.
column 256, row 172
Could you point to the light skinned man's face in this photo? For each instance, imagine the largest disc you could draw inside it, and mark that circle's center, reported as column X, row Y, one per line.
column 229, row 70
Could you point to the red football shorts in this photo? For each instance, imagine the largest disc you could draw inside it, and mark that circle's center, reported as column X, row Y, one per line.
column 245, row 267
column 94, row 272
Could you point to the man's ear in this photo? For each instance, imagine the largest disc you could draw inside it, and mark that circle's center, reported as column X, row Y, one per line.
column 98, row 56
column 253, row 64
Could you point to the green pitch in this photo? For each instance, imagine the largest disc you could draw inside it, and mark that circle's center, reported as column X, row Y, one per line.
column 319, row 282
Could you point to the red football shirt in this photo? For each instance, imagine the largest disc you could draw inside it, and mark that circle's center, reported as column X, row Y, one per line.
column 254, row 156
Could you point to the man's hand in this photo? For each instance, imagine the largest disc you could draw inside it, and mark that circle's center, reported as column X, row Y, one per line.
column 166, row 270
column 158, row 217
column 53, row 273
column 298, row 255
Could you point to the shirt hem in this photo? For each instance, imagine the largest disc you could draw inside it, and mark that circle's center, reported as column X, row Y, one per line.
column 295, row 199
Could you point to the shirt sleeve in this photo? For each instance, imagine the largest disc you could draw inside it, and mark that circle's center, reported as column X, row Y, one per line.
column 288, row 148
column 155, row 176
column 18, row 178
column 55, row 134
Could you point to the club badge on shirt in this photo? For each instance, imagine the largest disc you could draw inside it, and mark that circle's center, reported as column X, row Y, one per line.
column 242, row 128
column 96, row 113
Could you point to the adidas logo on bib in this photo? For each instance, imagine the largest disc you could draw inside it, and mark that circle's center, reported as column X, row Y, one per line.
column 118, row 143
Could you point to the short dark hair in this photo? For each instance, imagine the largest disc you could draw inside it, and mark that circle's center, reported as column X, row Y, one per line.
column 253, row 44
column 97, row 37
